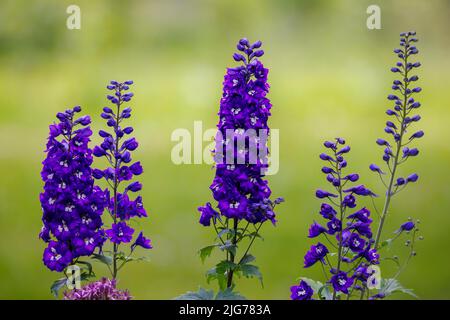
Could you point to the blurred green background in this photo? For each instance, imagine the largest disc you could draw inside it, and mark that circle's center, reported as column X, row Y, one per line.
column 329, row 77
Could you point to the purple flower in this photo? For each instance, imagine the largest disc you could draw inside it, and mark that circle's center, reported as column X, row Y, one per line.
column 119, row 233
column 207, row 213
column 57, row 256
column 341, row 282
column 117, row 147
column 356, row 243
column 71, row 204
column 335, row 225
column 407, row 226
column 376, row 168
column 142, row 242
column 302, row 291
column 316, row 252
column 361, row 215
column 324, row 194
column 315, row 230
column 104, row 289
column 239, row 186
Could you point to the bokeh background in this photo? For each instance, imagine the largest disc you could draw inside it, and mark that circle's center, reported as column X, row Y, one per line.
column 329, row 77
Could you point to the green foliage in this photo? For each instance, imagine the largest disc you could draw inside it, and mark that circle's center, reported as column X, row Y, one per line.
column 203, row 294
column 391, row 286
column 108, row 260
column 206, row 252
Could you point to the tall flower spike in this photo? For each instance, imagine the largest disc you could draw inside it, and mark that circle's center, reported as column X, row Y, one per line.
column 71, row 204
column 239, row 187
column 347, row 230
column 403, row 115
column 116, row 148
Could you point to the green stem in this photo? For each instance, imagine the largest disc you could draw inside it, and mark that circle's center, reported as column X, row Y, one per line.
column 232, row 256
column 341, row 211
column 389, row 192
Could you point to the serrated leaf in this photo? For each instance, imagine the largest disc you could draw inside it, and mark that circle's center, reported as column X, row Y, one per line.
column 223, row 266
column 251, row 271
column 206, row 252
column 229, row 294
column 390, row 286
column 201, row 294
column 253, row 234
column 230, row 247
column 102, row 258
column 58, row 285
column 247, row 259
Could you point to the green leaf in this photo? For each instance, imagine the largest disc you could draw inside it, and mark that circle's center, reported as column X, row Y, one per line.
column 251, row 271
column 325, row 293
column 86, row 265
column 247, row 259
column 390, row 286
column 229, row 294
column 57, row 285
column 253, row 234
column 102, row 258
column 223, row 266
column 201, row 294
column 230, row 247
column 206, row 252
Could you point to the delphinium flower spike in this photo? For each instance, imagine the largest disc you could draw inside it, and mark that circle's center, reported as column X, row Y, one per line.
column 398, row 147
column 239, row 187
column 403, row 115
column 72, row 206
column 347, row 232
column 117, row 148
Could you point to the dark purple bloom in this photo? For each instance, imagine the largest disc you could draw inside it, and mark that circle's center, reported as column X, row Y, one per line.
column 361, row 215
column 372, row 256
column 316, row 252
column 356, row 243
column 407, row 226
column 315, row 230
column 327, row 211
column 207, row 213
column 376, row 168
column 302, row 291
column 324, row 194
column 142, row 242
column 341, row 282
column 335, row 225
column 119, row 233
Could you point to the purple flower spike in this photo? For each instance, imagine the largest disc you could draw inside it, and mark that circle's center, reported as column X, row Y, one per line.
column 71, row 204
column 117, row 147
